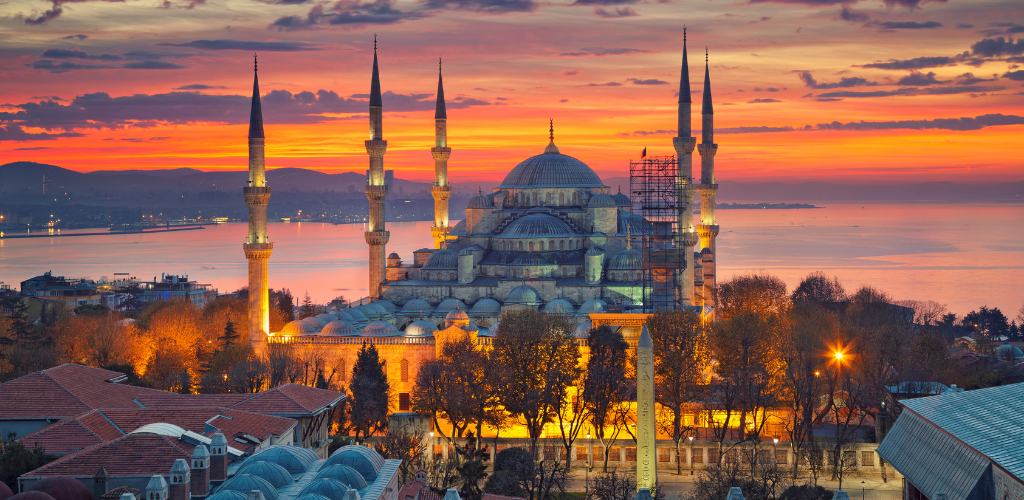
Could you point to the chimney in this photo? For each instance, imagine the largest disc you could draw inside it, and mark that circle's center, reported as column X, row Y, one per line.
column 128, row 496
column 255, row 495
column 180, row 488
column 99, row 483
column 156, row 489
column 218, row 457
column 200, row 471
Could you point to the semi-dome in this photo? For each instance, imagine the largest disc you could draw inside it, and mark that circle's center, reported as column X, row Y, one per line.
column 630, row 223
column 485, row 307
column 538, row 226
column 442, row 259
column 227, row 495
column 317, row 322
column 344, row 474
column 551, row 170
column 449, row 304
column 622, row 200
column 458, row 229
column 480, row 201
column 559, row 306
column 299, row 328
column 379, row 328
column 626, row 260
column 529, row 259
column 466, row 251
column 364, row 460
column 417, row 306
column 62, row 488
column 294, row 459
column 330, row 488
column 591, row 306
column 245, row 483
column 339, row 328
column 271, row 472
column 420, row 328
column 601, row 200
column 583, row 331
column 524, row 294
column 594, row 251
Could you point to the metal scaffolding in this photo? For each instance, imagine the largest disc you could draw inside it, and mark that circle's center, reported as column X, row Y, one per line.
column 654, row 193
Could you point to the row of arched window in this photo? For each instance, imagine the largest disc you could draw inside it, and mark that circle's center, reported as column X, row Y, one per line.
column 535, row 199
column 563, row 244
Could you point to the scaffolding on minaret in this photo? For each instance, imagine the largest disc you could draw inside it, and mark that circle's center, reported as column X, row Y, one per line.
column 655, row 196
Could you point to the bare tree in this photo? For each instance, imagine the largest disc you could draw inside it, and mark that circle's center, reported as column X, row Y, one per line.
column 605, row 384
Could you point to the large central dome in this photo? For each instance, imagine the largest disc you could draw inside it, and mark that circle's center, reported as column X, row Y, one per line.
column 549, row 170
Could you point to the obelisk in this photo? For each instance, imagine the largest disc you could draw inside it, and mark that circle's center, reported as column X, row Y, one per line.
column 646, row 453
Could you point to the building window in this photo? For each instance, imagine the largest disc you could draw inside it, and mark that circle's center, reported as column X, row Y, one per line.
column 613, row 454
column 405, row 370
column 664, row 454
column 867, row 459
column 631, row 453
column 531, row 246
column 581, row 453
column 520, row 245
column 551, row 245
column 542, row 245
column 404, row 402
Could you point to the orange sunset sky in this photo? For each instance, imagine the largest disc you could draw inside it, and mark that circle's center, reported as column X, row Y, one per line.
column 845, row 91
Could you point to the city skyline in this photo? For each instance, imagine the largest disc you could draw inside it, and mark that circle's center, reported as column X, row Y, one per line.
column 606, row 72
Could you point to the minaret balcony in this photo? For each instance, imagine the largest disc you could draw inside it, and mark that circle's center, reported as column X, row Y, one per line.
column 256, row 190
column 257, row 250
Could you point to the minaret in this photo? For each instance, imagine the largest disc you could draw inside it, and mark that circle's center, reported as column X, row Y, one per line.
column 257, row 248
column 684, row 144
column 708, row 228
column 376, row 190
column 441, row 191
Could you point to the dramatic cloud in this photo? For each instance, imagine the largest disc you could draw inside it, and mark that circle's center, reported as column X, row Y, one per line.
column 806, row 2
column 915, row 63
column 55, row 12
column 970, row 79
column 199, row 86
column 349, row 12
column 761, row 101
column 74, row 37
column 908, row 91
column 959, row 124
column 910, row 4
column 994, row 47
column 845, row 82
column 602, row 51
column 964, row 26
column 847, row 14
column 917, row 79
column 77, row 54
column 1017, row 76
column 904, row 25
column 484, row 5
column 753, row 130
column 623, row 12
column 15, row 133
column 650, row 81
column 603, row 2
column 247, row 45
column 152, row 65
column 64, row 66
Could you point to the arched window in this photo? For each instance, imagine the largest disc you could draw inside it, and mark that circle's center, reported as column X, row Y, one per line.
column 520, row 245
column 526, row 272
column 561, row 244
column 531, row 246
column 405, row 370
column 561, row 199
column 541, row 245
column 551, row 245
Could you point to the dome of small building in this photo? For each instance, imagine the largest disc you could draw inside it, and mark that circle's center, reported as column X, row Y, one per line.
column 379, row 328
column 448, row 305
column 371, row 313
column 393, row 255
column 417, row 307
column 377, row 307
column 480, row 201
column 420, row 328
column 485, row 307
column 294, row 459
column 465, row 251
column 601, row 200
column 327, row 317
column 5, row 491
column 227, row 495
column 31, row 495
column 551, row 170
column 457, row 317
column 299, row 328
column 538, row 226
column 364, row 460
column 1008, row 351
column 345, row 316
column 339, row 328
column 530, row 259
column 622, row 200
column 245, row 483
column 626, row 260
column 62, row 488
column 594, row 251
column 705, row 251
column 523, row 294
column 583, row 331
column 591, row 306
column 442, row 259
column 317, row 323
column 559, row 306
column 357, row 315
column 271, row 472
column 330, row 488
column 344, row 474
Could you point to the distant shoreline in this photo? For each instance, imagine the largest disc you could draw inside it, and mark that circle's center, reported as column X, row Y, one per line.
column 764, row 206
column 56, row 234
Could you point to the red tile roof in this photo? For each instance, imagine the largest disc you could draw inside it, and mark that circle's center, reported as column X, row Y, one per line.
column 292, row 399
column 131, row 455
column 62, row 437
column 115, row 494
column 172, row 400
column 100, row 425
column 66, row 391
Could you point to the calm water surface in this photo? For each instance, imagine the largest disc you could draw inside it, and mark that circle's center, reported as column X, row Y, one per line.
column 961, row 255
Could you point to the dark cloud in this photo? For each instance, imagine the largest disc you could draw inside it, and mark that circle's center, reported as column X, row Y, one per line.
column 845, row 82
column 753, row 130
column 643, row 133
column 847, row 14
column 762, row 101
column 917, row 79
column 909, row 91
column 74, row 37
column 602, row 51
column 199, row 86
column 915, row 63
column 970, row 79
column 959, row 124
column 64, row 66
column 495, row 6
column 247, row 45
column 152, row 65
column 1017, row 76
column 623, row 12
column 55, row 12
column 904, row 25
column 964, row 26
column 17, row 134
column 806, row 2
column 828, row 99
column 609, row 84
column 349, row 12
column 994, row 47
column 649, row 81
column 78, row 54
column 759, row 89
column 603, row 2
column 910, row 4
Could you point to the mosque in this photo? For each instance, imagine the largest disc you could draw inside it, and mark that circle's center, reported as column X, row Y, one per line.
column 551, row 237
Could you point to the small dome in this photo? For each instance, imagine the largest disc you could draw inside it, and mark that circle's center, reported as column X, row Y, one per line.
column 524, row 294
column 417, row 307
column 530, row 259
column 626, row 260
column 327, row 317
column 622, row 200
column 538, row 226
column 379, row 328
column 1005, row 351
column 357, row 315
column 594, row 251
column 62, row 488
column 485, row 307
column 245, row 483
column 344, row 474
column 317, row 323
column 364, row 460
column 583, row 331
column 30, row 495
column 601, row 201
column 480, row 201
column 299, row 328
column 227, row 495
column 420, row 328
column 5, row 491
column 379, row 309
column 393, row 255
column 591, row 306
column 294, row 459
column 448, row 305
column 706, row 251
column 458, row 229
column 345, row 316
column 442, row 259
column 339, row 328
column 330, row 488
column 370, row 312
column 465, row 251
column 456, row 317
column 559, row 306
column 272, row 473
column 630, row 223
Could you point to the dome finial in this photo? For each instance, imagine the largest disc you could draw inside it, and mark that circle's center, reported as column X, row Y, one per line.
column 551, row 136
column 255, row 63
column 629, row 238
column 479, row 191
column 375, row 42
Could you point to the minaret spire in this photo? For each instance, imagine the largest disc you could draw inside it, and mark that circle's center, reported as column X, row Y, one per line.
column 684, row 144
column 257, row 247
column 376, row 189
column 708, row 228
column 441, row 191
column 706, row 108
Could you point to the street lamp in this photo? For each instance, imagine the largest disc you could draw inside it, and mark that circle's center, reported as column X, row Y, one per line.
column 862, row 490
column 690, row 438
column 776, row 457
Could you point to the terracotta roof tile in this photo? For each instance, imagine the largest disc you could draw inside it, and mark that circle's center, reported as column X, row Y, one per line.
column 66, row 391
column 98, row 423
column 171, row 400
column 130, row 455
column 292, row 399
column 62, row 438
column 115, row 494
